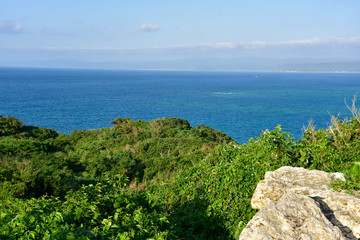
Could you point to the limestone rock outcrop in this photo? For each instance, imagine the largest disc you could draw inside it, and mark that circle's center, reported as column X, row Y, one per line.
column 294, row 216
column 340, row 209
column 292, row 179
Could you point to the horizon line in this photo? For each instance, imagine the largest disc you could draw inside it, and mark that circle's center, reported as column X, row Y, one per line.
column 175, row 70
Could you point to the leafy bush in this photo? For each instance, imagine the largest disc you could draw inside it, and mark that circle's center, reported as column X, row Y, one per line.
column 160, row 179
column 101, row 211
column 223, row 184
column 46, row 162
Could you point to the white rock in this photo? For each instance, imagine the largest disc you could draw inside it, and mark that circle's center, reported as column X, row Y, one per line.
column 292, row 179
column 341, row 209
column 294, row 216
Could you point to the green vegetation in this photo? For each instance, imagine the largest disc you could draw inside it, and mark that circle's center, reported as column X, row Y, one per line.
column 160, row 179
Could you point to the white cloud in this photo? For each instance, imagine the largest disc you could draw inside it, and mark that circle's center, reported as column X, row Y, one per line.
column 354, row 39
column 313, row 41
column 224, row 45
column 332, row 42
column 9, row 27
column 263, row 44
column 149, row 27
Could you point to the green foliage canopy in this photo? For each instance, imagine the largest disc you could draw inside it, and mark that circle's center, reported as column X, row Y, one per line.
column 160, row 179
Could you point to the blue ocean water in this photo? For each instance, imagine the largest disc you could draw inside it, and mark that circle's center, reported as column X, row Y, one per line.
column 241, row 104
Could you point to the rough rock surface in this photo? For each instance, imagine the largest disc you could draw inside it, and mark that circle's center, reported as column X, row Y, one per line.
column 341, row 209
column 294, row 216
column 292, row 179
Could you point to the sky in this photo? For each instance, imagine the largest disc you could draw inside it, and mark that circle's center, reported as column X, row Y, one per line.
column 137, row 31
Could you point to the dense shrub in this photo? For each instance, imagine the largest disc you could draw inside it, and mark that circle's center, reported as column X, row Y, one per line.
column 160, row 179
column 41, row 161
column 101, row 211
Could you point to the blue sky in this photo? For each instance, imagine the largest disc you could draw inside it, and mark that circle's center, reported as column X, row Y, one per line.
column 64, row 29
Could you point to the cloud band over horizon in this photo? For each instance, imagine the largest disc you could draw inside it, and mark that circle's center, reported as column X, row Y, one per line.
column 222, row 45
column 219, row 54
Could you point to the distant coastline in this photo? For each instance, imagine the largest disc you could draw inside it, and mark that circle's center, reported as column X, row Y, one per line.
column 175, row 69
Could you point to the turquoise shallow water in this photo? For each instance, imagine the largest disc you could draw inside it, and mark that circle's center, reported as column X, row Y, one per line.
column 241, row 104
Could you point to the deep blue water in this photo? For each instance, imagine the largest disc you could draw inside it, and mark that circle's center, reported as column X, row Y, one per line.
column 241, row 104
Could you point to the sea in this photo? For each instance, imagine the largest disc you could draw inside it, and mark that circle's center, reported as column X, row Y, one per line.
column 240, row 104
